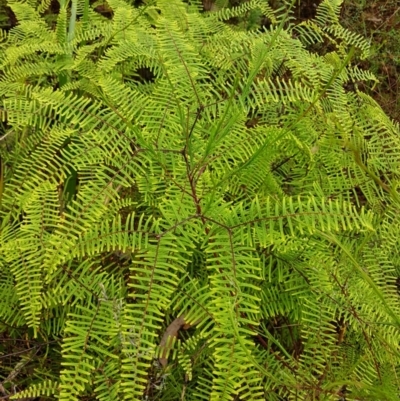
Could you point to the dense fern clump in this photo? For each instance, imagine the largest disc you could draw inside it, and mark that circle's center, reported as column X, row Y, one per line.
column 195, row 210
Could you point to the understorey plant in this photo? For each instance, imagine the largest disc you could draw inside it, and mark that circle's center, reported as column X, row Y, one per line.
column 193, row 209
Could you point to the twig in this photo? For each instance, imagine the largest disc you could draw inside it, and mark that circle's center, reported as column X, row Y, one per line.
column 4, row 137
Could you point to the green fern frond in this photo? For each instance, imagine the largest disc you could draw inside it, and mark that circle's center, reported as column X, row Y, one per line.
column 159, row 165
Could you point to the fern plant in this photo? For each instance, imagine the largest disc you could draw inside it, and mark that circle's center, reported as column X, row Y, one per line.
column 192, row 211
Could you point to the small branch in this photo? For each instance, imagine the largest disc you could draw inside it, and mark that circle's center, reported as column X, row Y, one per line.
column 171, row 332
column 6, row 135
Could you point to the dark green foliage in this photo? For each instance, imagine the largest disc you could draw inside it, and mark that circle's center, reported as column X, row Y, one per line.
column 194, row 209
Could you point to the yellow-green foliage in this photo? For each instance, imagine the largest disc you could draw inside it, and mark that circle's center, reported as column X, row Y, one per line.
column 159, row 163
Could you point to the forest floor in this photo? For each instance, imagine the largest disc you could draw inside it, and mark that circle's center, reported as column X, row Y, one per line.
column 379, row 22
